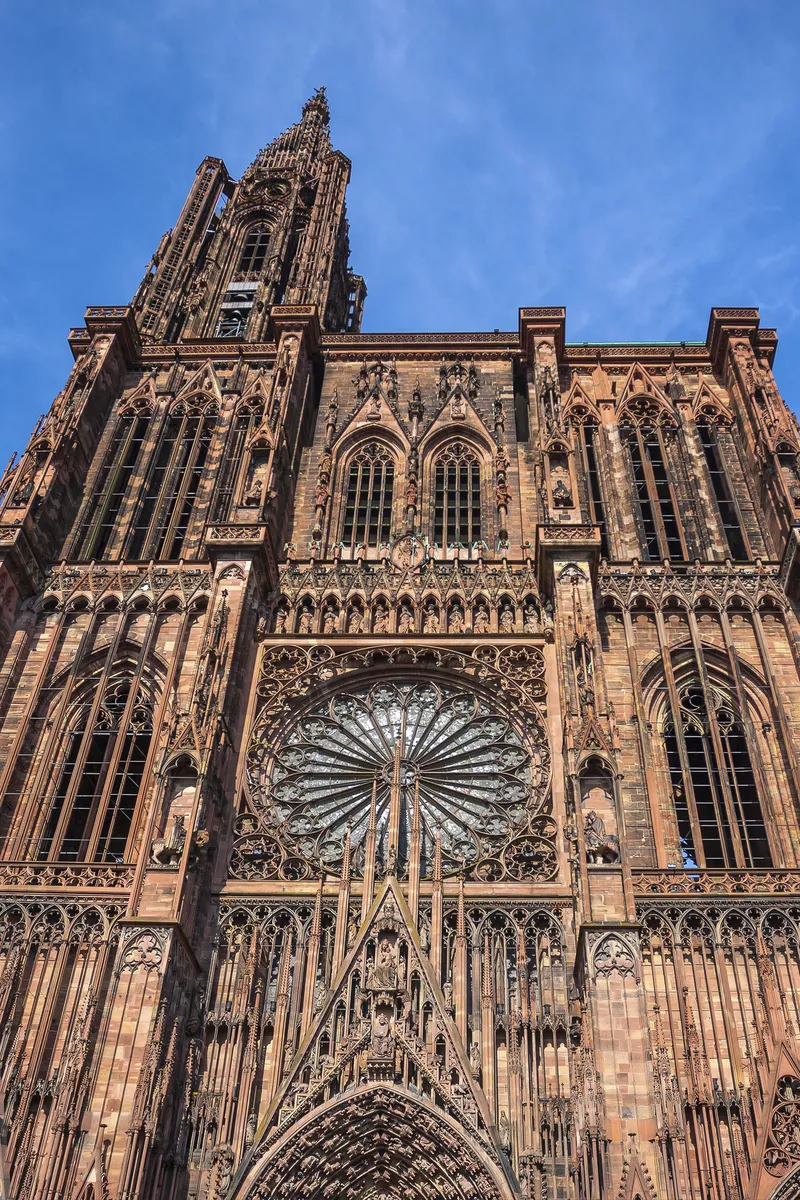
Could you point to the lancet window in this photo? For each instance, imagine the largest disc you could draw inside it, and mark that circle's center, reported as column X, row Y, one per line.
column 254, row 251
column 457, row 497
column 589, row 435
column 729, row 514
column 165, row 510
column 719, row 814
column 98, row 777
column 653, row 494
column 230, row 481
column 100, row 517
column 370, row 487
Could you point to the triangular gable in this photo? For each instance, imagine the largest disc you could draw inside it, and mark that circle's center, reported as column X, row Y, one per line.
column 578, row 405
column 373, row 1034
column 203, row 382
column 639, row 391
column 636, row 1183
column 771, row 1163
column 142, row 398
column 706, row 404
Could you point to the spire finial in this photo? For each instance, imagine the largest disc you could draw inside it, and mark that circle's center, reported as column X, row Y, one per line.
column 317, row 106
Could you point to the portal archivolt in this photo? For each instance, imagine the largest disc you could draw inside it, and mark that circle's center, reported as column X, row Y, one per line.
column 379, row 1141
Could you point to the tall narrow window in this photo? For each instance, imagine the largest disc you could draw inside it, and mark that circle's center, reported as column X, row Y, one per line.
column 254, row 251
column 99, row 522
column 589, row 435
column 368, row 510
column 234, row 313
column 232, row 465
column 720, row 821
column 162, row 521
column 729, row 514
column 653, row 494
column 92, row 809
column 457, row 497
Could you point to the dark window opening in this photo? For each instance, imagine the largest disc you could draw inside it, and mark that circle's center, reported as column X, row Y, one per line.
column 237, row 304
column 726, row 802
column 100, row 521
column 725, row 503
column 457, row 497
column 95, row 799
column 368, row 508
column 653, row 496
column 589, row 439
column 254, row 251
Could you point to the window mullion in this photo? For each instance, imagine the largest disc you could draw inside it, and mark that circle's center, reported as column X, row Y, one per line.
column 108, row 490
column 652, row 494
column 683, row 755
column 77, row 773
column 722, row 775
column 178, row 498
column 166, row 484
column 665, row 458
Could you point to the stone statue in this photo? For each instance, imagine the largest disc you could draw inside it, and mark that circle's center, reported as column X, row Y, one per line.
column 354, row 621
column 306, row 619
column 448, row 996
column 456, row 619
column 383, row 973
column 430, row 620
column 507, row 618
column 280, row 621
column 329, row 621
column 166, row 851
column 406, row 622
column 531, row 619
column 481, row 622
column 475, row 1059
column 381, row 621
column 601, row 847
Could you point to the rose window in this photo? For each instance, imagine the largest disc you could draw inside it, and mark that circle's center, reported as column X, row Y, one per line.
column 467, row 764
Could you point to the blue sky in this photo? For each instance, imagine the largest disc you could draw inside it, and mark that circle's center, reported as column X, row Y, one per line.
column 633, row 160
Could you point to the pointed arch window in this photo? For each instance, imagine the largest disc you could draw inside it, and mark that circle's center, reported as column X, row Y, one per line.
column 726, row 504
column 99, row 521
column 229, row 483
column 370, row 488
column 164, row 514
column 653, row 493
column 457, row 497
column 720, row 820
column 90, row 814
column 589, row 435
column 254, row 251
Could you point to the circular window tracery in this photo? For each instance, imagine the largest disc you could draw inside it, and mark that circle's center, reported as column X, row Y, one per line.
column 474, row 776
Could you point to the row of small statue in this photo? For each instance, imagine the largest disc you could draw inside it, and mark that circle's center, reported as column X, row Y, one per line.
column 534, row 620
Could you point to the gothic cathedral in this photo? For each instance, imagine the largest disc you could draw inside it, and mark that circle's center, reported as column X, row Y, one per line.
column 399, row 772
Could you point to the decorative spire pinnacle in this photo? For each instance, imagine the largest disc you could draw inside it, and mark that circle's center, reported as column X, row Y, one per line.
column 317, row 106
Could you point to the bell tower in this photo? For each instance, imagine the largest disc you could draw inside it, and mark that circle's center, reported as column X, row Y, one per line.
column 277, row 236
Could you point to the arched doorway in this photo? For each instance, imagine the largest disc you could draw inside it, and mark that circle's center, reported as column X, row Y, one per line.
column 381, row 1142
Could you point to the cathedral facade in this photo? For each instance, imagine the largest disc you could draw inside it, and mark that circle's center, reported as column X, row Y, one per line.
column 399, row 774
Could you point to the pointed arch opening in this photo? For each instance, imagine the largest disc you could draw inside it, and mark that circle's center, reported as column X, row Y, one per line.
column 370, row 493
column 457, row 496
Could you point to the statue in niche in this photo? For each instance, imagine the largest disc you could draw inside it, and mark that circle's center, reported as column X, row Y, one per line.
column 601, row 847
column 354, row 620
column 381, row 620
column 381, row 1034
column 430, row 620
column 448, row 996
column 562, row 496
column 475, row 1060
column 531, row 618
column 458, row 409
column 306, row 619
column 456, row 618
column 481, row 622
column 166, row 851
column 585, row 689
column 505, row 1133
column 280, row 621
column 405, row 622
column 374, row 408
column 329, row 620
column 507, row 618
column 382, row 974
